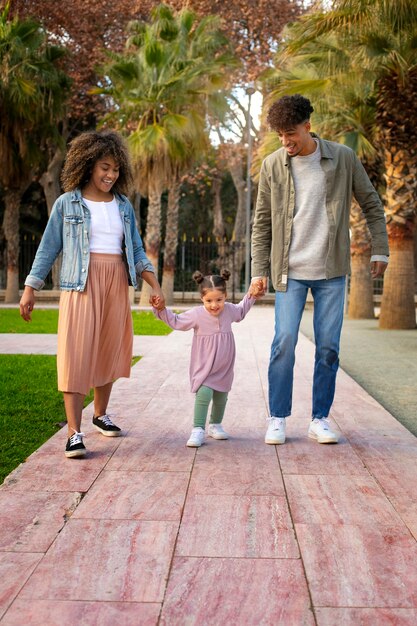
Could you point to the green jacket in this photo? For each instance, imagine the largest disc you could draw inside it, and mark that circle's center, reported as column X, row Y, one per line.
column 272, row 227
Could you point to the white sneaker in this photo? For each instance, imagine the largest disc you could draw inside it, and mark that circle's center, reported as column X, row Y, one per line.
column 196, row 438
column 276, row 431
column 319, row 429
column 216, row 431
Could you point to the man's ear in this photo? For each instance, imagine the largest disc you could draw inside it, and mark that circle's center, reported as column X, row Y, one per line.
column 308, row 126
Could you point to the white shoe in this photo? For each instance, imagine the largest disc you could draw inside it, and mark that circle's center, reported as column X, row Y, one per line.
column 276, row 431
column 216, row 431
column 196, row 438
column 319, row 429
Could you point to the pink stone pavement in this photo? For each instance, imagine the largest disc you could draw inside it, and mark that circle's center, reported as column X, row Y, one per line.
column 145, row 531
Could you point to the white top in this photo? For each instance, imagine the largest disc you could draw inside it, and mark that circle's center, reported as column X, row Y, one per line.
column 106, row 233
column 310, row 234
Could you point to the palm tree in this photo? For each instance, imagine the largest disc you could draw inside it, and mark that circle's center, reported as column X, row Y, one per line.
column 161, row 87
column 381, row 40
column 32, row 95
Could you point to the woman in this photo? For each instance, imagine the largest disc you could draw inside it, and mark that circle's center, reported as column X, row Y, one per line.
column 93, row 224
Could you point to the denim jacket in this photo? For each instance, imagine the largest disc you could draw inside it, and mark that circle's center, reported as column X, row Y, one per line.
column 68, row 230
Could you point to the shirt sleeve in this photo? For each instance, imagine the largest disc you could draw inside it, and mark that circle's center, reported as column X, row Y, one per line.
column 49, row 248
column 379, row 257
column 177, row 321
column 262, row 227
column 372, row 208
column 142, row 263
column 239, row 311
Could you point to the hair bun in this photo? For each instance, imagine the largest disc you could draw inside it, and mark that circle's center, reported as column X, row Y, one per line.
column 225, row 274
column 198, row 277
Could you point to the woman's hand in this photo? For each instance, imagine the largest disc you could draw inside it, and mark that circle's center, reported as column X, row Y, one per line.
column 157, row 299
column 27, row 303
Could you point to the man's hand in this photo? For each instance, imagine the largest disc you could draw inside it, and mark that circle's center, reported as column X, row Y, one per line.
column 258, row 286
column 256, row 289
column 378, row 268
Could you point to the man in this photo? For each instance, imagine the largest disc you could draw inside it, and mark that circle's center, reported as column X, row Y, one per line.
column 301, row 239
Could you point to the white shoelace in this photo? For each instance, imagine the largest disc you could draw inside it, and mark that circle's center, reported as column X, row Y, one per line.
column 76, row 438
column 106, row 419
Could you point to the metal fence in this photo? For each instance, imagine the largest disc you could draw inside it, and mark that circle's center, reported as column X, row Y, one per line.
column 192, row 254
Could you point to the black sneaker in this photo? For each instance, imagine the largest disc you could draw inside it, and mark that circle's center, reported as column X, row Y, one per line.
column 75, row 446
column 106, row 426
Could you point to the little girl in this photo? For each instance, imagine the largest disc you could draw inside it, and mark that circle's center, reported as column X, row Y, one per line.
column 213, row 349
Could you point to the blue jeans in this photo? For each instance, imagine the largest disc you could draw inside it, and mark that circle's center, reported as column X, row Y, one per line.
column 328, row 298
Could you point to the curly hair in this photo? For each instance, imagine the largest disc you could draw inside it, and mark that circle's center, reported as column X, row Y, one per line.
column 83, row 153
column 209, row 283
column 289, row 111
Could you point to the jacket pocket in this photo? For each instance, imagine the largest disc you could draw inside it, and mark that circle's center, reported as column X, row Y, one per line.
column 277, row 197
column 73, row 225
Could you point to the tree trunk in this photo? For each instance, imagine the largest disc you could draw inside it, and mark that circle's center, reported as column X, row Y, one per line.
column 12, row 198
column 239, row 231
column 171, row 242
column 361, row 305
column 50, row 179
column 52, row 190
column 218, row 223
column 152, row 240
column 415, row 260
column 397, row 305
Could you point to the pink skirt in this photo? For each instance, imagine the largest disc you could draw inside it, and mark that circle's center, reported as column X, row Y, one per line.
column 95, row 332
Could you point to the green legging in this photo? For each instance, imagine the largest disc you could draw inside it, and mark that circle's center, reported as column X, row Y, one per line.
column 203, row 397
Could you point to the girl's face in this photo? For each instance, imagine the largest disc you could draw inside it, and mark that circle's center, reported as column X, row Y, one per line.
column 213, row 301
column 104, row 175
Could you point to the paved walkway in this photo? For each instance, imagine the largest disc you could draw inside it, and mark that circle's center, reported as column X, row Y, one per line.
column 145, row 531
column 383, row 362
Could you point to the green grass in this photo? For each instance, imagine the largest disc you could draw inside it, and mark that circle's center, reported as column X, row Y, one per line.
column 31, row 407
column 46, row 321
column 145, row 323
column 43, row 321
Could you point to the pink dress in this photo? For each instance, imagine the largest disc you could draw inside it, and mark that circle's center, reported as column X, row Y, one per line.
column 213, row 349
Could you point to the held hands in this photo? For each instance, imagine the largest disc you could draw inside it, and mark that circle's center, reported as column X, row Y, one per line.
column 257, row 287
column 27, row 303
column 157, row 299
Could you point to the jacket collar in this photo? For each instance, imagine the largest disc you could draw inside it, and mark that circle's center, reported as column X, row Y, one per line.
column 325, row 147
column 77, row 197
